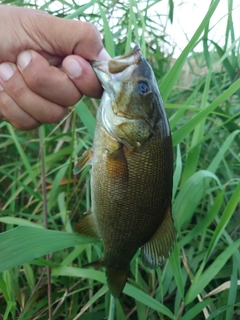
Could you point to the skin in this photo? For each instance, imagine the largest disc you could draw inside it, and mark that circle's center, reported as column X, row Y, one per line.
column 44, row 65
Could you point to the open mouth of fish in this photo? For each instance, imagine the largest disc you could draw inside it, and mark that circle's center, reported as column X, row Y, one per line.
column 120, row 69
column 117, row 66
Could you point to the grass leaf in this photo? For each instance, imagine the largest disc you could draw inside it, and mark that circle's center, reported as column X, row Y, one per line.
column 86, row 116
column 22, row 244
column 172, row 76
column 201, row 282
column 181, row 133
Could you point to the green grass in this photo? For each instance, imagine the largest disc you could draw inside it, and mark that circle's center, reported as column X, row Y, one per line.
column 202, row 277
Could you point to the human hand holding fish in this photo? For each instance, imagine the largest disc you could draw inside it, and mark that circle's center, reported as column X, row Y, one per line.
column 132, row 170
column 44, row 65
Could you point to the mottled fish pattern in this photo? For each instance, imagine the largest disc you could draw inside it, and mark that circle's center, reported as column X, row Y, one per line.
column 132, row 170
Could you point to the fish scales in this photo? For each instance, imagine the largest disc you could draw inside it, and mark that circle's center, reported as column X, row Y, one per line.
column 132, row 170
column 143, row 188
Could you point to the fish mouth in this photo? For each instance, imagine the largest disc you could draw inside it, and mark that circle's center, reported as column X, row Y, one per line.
column 118, row 69
column 112, row 74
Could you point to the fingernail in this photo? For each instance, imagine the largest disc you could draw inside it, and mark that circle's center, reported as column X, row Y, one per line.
column 24, row 59
column 6, row 71
column 73, row 68
column 1, row 88
column 103, row 55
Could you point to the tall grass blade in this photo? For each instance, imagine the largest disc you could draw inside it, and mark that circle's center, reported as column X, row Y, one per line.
column 172, row 76
column 190, row 195
column 195, row 310
column 182, row 133
column 147, row 300
column 224, row 148
column 11, row 305
column 174, row 260
column 108, row 38
column 203, row 225
column 232, row 293
column 86, row 116
column 80, row 11
column 22, row 155
column 177, row 172
column 193, row 155
column 201, row 282
column 227, row 214
column 22, row 244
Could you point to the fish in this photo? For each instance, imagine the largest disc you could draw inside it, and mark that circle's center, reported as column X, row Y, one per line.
column 132, row 170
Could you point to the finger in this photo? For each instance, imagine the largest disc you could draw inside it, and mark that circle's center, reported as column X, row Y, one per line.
column 39, row 108
column 47, row 81
column 12, row 113
column 82, row 75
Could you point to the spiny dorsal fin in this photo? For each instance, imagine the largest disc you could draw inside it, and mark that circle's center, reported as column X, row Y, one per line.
column 83, row 161
column 86, row 225
column 116, row 279
column 156, row 251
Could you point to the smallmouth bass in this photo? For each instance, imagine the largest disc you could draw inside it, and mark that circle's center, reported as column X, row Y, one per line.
column 132, row 170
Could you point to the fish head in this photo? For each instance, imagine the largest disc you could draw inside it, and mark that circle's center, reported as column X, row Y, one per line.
column 131, row 103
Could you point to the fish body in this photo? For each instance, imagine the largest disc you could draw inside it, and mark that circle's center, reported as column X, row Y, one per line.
column 132, row 170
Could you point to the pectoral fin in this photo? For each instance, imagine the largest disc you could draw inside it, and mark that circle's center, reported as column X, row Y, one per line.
column 83, row 161
column 159, row 247
column 86, row 225
column 117, row 170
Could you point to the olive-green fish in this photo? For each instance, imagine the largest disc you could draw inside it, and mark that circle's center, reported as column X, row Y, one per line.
column 132, row 170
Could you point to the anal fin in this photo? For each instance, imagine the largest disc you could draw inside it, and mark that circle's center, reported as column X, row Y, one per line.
column 86, row 225
column 156, row 251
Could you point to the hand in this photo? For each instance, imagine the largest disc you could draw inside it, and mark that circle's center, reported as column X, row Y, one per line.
column 43, row 65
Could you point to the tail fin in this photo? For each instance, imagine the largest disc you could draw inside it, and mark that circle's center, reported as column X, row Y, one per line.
column 116, row 279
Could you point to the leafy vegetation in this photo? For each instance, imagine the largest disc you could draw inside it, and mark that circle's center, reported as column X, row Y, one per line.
column 201, row 280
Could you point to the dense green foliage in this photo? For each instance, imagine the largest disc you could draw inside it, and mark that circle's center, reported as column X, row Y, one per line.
column 202, row 277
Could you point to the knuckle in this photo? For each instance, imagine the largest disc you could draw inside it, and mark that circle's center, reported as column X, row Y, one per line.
column 93, row 30
column 14, row 87
column 5, row 102
column 37, row 80
column 11, row 112
column 16, row 91
column 27, row 125
column 55, row 115
column 94, row 35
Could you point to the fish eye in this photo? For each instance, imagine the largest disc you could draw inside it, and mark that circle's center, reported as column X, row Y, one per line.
column 143, row 87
